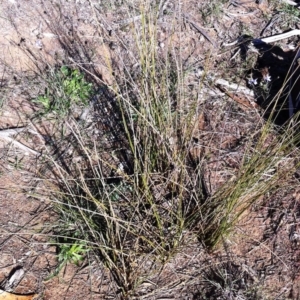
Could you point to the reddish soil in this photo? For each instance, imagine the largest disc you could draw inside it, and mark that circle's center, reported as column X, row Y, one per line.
column 262, row 253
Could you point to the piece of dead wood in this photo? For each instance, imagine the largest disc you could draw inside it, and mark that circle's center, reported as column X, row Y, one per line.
column 234, row 87
column 281, row 36
column 9, row 296
column 237, row 88
column 267, row 40
column 6, row 135
column 16, row 276
column 244, row 103
column 241, row 14
column 290, row 2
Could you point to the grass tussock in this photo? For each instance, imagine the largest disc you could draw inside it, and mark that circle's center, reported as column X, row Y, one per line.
column 125, row 186
column 134, row 201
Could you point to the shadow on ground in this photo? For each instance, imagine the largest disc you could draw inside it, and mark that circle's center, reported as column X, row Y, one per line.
column 273, row 71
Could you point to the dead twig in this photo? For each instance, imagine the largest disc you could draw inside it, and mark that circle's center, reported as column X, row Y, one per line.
column 202, row 31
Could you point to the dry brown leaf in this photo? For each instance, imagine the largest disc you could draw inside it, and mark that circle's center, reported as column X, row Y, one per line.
column 9, row 296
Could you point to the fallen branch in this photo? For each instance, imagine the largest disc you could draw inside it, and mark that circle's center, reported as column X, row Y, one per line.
column 6, row 135
column 290, row 2
column 234, row 87
column 245, row 104
column 231, row 90
column 231, row 86
column 278, row 37
column 267, row 40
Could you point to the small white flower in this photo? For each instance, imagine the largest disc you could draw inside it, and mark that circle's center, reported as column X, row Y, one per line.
column 252, row 81
column 267, row 78
column 39, row 44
